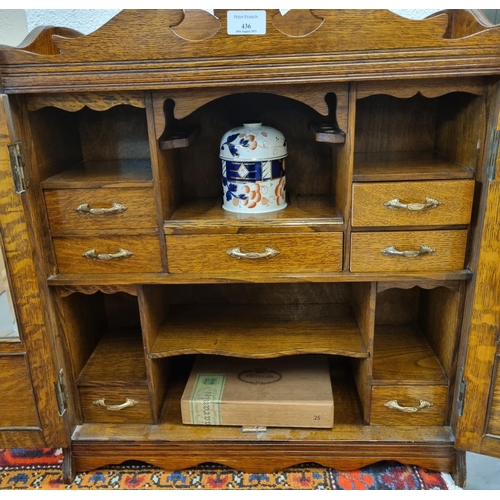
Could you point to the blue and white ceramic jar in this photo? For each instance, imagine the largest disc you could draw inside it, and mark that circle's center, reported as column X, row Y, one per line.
column 253, row 169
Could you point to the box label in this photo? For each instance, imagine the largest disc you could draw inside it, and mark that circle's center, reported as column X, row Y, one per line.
column 246, row 22
column 206, row 399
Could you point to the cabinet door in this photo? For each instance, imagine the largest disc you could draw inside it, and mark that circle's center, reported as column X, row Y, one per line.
column 29, row 415
column 478, row 426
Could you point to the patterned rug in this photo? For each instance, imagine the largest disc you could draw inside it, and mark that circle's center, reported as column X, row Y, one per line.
column 28, row 469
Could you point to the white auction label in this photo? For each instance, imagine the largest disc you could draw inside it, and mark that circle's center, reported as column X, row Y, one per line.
column 246, row 22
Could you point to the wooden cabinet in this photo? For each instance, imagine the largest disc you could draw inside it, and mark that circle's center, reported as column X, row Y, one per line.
column 385, row 258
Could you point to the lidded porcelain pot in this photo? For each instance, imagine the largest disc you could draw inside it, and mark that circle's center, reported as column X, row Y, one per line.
column 253, row 169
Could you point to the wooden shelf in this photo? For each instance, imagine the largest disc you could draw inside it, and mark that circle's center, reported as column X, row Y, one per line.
column 179, row 139
column 207, row 213
column 245, row 331
column 406, row 166
column 403, row 355
column 324, row 132
column 109, row 173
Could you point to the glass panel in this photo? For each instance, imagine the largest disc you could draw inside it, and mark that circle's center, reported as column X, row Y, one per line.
column 8, row 322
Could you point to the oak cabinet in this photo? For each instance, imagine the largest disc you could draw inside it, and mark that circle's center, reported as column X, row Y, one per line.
column 385, row 258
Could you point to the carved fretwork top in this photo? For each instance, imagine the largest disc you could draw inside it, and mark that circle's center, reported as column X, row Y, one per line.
column 157, row 49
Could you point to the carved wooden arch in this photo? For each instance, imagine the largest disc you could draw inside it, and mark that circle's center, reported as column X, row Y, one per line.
column 188, row 100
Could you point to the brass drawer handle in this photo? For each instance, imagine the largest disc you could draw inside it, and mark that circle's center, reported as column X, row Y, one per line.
column 128, row 402
column 396, row 204
column 238, row 254
column 393, row 405
column 121, row 254
column 392, row 251
column 115, row 208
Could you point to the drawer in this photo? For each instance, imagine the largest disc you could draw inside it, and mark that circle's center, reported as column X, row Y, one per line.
column 108, row 254
column 116, row 405
column 105, row 208
column 268, row 253
column 401, row 251
column 425, row 405
column 412, row 203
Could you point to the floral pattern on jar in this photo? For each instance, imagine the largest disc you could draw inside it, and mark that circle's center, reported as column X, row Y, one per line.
column 253, row 169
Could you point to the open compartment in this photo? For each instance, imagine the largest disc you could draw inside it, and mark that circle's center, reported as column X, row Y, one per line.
column 104, row 337
column 416, row 338
column 428, row 131
column 88, row 141
column 313, row 126
column 235, row 319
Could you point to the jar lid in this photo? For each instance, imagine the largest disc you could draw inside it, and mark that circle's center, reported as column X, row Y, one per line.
column 253, row 142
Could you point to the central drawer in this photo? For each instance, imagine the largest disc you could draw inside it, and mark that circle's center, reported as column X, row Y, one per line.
column 278, row 253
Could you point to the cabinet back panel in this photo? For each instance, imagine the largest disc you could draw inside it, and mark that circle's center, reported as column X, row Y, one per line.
column 308, row 165
column 386, row 123
column 120, row 132
column 56, row 140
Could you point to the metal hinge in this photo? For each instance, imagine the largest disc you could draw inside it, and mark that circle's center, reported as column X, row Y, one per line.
column 61, row 393
column 493, row 157
column 18, row 166
column 461, row 394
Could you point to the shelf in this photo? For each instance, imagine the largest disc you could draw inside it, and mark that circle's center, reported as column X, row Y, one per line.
column 201, row 214
column 323, row 132
column 406, row 166
column 100, row 173
column 260, row 331
column 403, row 355
column 179, row 139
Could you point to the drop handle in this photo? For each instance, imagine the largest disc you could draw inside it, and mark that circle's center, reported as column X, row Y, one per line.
column 121, row 254
column 396, row 204
column 128, row 403
column 115, row 208
column 392, row 251
column 238, row 254
column 394, row 405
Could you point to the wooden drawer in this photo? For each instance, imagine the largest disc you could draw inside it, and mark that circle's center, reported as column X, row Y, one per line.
column 380, row 251
column 420, row 203
column 144, row 258
column 105, row 208
column 317, row 252
column 122, row 404
column 409, row 397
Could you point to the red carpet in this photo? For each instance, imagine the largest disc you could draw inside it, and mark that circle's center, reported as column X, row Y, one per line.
column 28, row 469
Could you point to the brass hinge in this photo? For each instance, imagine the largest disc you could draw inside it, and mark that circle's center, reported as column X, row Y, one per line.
column 461, row 394
column 18, row 166
column 493, row 157
column 61, row 393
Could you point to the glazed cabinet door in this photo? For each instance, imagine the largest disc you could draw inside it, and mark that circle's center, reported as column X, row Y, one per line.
column 478, row 424
column 29, row 415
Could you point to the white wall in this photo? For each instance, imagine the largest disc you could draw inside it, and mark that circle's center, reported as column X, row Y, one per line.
column 13, row 26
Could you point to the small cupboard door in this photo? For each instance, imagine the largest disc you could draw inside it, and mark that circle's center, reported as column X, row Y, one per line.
column 478, row 422
column 29, row 415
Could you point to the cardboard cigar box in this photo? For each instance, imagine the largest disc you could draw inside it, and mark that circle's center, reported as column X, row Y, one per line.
column 293, row 391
